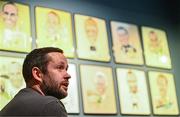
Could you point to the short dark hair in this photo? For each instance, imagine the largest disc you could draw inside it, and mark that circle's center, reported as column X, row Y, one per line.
column 37, row 58
column 8, row 3
column 122, row 28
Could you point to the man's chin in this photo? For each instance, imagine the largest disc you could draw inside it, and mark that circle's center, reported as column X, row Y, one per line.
column 65, row 94
column 58, row 94
column 62, row 94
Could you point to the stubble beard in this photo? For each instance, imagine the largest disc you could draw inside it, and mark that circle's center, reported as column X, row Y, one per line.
column 52, row 88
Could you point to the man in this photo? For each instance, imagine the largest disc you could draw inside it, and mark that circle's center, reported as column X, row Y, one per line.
column 46, row 77
column 10, row 14
column 91, row 29
column 52, row 31
column 101, row 84
column 132, row 82
column 163, row 101
column 155, row 44
column 123, row 37
column 11, row 35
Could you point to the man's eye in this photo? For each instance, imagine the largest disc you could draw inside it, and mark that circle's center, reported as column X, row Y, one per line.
column 60, row 67
column 12, row 14
column 6, row 13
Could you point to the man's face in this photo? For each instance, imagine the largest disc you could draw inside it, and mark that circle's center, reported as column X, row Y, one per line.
column 153, row 37
column 123, row 37
column 132, row 83
column 53, row 20
column 55, row 81
column 101, row 85
column 133, row 86
column 10, row 17
column 91, row 30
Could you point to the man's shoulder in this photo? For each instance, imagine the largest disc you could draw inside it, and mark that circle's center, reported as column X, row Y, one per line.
column 30, row 102
column 48, row 105
column 54, row 107
column 28, row 94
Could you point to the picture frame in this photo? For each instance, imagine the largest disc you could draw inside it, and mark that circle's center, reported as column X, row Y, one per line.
column 126, row 43
column 91, row 38
column 55, row 30
column 163, row 93
column 156, row 48
column 11, row 79
column 15, row 32
column 97, row 90
column 71, row 102
column 133, row 92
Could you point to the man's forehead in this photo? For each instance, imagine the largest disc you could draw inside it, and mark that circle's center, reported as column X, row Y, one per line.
column 10, row 7
column 57, row 56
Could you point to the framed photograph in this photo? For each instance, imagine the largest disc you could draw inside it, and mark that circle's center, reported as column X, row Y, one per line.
column 91, row 38
column 54, row 28
column 156, row 49
column 126, row 43
column 71, row 102
column 133, row 93
column 15, row 29
column 98, row 90
column 163, row 92
column 11, row 79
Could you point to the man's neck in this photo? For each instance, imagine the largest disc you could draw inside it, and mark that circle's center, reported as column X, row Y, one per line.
column 37, row 89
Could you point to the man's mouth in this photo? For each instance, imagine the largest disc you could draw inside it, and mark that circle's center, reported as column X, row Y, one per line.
column 65, row 85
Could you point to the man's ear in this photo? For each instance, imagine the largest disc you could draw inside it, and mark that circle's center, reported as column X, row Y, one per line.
column 37, row 74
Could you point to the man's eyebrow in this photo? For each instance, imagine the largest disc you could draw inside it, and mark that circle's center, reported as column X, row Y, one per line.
column 61, row 62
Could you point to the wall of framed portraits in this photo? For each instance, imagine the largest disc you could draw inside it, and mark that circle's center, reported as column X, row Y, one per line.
column 122, row 62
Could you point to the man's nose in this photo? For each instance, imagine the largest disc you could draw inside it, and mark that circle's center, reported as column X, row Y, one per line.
column 8, row 16
column 67, row 76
